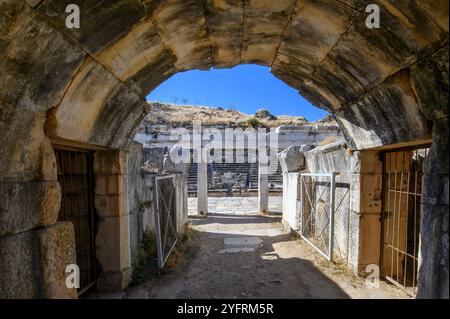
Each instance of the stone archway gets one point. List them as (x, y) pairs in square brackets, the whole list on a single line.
[(88, 85)]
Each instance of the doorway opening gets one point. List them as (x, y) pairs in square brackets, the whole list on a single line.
[(76, 178), (402, 193)]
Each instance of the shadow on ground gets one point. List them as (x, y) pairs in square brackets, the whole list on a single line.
[(265, 266)]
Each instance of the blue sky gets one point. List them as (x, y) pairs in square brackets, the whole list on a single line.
[(245, 88)]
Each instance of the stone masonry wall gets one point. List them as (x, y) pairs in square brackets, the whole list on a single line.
[(385, 86)]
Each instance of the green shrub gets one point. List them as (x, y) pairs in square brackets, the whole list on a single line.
[(147, 264), (253, 122)]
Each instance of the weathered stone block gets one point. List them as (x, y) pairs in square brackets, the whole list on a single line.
[(41, 59), (139, 58), (263, 27), (371, 55), (136, 236), (112, 242), (307, 147), (134, 158), (193, 51), (114, 281), (438, 10), (310, 38), (104, 22), (437, 161), (75, 116), (171, 167), (119, 119), (433, 262), (291, 159), (110, 205), (41, 70), (333, 84), (101, 120), (353, 241), (224, 13), (19, 266), (328, 158), (107, 163), (110, 185), (33, 3), (37, 64), (225, 26), (153, 74), (48, 161), (24, 206), (429, 78), (33, 263), (21, 145), (131, 53), (57, 251), (411, 25), (290, 70), (394, 107), (434, 224)]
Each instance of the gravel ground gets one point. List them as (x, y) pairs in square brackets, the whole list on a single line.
[(251, 256)]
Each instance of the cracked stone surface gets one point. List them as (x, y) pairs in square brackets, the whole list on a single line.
[(385, 86)]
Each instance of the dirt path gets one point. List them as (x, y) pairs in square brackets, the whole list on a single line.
[(250, 256)]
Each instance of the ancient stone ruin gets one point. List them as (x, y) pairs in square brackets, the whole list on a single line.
[(72, 101), (156, 133)]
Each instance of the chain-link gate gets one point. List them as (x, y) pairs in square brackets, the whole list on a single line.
[(165, 217), (341, 218), (317, 211)]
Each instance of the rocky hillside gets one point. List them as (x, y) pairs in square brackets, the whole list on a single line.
[(186, 114)]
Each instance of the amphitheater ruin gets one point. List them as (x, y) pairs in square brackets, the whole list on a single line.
[(83, 177)]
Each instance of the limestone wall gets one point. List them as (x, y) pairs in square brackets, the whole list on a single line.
[(141, 199), (139, 202), (166, 135), (386, 86)]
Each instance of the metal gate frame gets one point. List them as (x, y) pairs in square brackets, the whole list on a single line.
[(161, 243), (332, 176), (390, 238), (75, 182)]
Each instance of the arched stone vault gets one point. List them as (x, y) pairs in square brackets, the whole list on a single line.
[(385, 86)]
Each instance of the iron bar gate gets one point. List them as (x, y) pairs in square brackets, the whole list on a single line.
[(76, 178), (402, 192), (317, 193), (165, 217)]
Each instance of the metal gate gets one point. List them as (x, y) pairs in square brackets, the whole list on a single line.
[(75, 176), (402, 192), (165, 217), (317, 193)]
